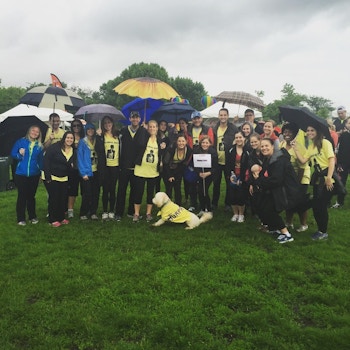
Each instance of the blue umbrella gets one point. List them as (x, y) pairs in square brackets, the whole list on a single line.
[(173, 111), (145, 106)]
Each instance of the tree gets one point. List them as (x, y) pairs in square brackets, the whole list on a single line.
[(9, 97), (321, 106)]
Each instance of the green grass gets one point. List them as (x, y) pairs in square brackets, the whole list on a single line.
[(94, 285)]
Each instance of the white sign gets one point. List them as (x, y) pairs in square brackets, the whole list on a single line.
[(202, 160)]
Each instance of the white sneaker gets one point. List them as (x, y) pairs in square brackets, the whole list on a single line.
[(240, 218), (234, 218), (94, 217), (104, 216), (302, 228), (70, 213), (111, 216)]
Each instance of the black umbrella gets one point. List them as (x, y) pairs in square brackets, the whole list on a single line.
[(13, 128), (53, 97), (173, 111), (303, 117)]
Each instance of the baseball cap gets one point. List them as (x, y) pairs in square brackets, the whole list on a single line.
[(196, 114), (341, 108), (134, 114), (89, 126)]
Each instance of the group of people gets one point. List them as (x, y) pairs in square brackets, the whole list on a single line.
[(267, 172)]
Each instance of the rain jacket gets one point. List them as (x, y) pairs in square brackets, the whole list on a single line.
[(32, 162)]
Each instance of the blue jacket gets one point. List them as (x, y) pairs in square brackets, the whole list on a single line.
[(84, 159), (32, 162)]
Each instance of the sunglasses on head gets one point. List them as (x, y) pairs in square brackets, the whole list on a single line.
[(76, 125)]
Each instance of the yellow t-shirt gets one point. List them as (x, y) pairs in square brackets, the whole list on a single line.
[(305, 180), (112, 150), (221, 146), (321, 157), (93, 156), (57, 135), (174, 213), (195, 135), (148, 167)]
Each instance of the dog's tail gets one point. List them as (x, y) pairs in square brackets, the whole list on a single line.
[(208, 215)]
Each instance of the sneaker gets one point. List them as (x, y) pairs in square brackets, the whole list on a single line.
[(240, 218), (302, 228), (84, 217), (55, 224), (111, 216), (136, 218), (70, 214), (191, 209), (117, 218), (34, 221), (22, 223), (234, 218), (149, 217), (288, 225), (280, 237), (286, 239), (336, 205), (65, 222), (130, 215), (105, 216), (94, 217), (319, 236)]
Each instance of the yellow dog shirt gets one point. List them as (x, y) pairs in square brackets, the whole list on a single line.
[(174, 213)]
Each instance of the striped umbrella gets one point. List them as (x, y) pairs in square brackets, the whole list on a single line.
[(241, 98), (53, 97)]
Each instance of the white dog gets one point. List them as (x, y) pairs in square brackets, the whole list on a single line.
[(169, 211)]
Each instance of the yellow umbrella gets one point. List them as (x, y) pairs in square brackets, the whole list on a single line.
[(146, 87)]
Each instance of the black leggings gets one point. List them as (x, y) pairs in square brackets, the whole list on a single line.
[(320, 206), (111, 175), (140, 188)]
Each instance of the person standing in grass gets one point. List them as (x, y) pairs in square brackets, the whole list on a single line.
[(279, 189), (108, 165), (224, 134), (236, 171), (146, 170), (175, 160), (87, 158), (74, 177), (206, 175), (58, 160), (28, 151), (321, 155), (289, 132)]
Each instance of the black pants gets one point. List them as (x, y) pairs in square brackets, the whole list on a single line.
[(203, 193), (320, 206), (26, 187), (90, 195), (140, 188), (57, 202), (126, 176), (176, 186), (109, 188), (343, 177), (268, 214)]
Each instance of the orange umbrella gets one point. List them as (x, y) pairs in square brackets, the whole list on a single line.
[(146, 87)]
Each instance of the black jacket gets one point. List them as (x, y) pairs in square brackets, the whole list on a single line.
[(229, 135), (278, 179), (175, 169), (214, 160), (343, 157), (231, 160)]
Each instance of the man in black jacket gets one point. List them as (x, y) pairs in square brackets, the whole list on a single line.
[(130, 137), (224, 134)]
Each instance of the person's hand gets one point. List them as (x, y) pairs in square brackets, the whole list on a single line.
[(171, 179), (85, 178), (251, 190), (329, 183), (99, 132), (22, 151), (52, 136), (162, 145)]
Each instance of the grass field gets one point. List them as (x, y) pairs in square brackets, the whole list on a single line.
[(94, 285)]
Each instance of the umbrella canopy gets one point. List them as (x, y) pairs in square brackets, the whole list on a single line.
[(241, 98), (43, 114), (173, 111), (145, 106), (95, 112), (15, 127), (145, 87), (53, 97), (303, 117), (234, 109)]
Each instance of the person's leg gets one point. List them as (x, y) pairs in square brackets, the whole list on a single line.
[(131, 193), (217, 185), (177, 190), (33, 182), (86, 187), (95, 193), (151, 185), (320, 207), (139, 187), (21, 197), (114, 174), (121, 193), (343, 178)]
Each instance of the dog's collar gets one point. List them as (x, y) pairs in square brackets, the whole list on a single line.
[(164, 204)]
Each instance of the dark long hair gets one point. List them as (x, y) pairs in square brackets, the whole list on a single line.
[(61, 142), (115, 131)]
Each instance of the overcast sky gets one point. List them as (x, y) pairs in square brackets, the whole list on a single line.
[(243, 45)]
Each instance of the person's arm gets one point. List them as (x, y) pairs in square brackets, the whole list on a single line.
[(302, 159), (328, 179)]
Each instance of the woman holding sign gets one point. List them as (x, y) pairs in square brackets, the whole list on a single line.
[(205, 160)]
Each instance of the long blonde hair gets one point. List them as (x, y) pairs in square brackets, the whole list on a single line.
[(39, 137)]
